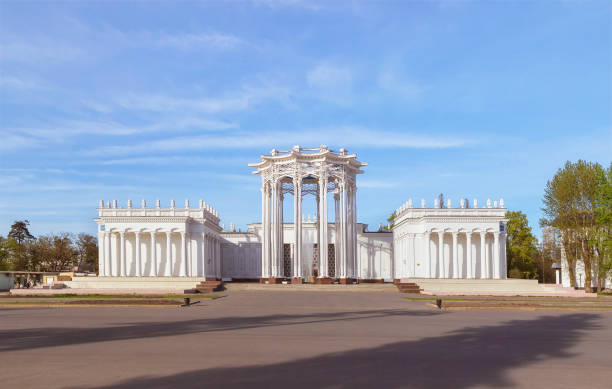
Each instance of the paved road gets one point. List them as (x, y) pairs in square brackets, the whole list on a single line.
[(310, 339)]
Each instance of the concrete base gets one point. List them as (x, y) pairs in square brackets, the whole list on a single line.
[(491, 287), (323, 281), (134, 283), (346, 281), (297, 280)]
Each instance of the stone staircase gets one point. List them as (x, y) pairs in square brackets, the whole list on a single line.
[(408, 287), (209, 286)]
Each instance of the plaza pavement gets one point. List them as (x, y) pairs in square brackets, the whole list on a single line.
[(253, 339)]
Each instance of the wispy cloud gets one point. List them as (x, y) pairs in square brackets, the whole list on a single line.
[(18, 83), (191, 41), (15, 49), (58, 133), (174, 159), (340, 136), (331, 82), (243, 98)]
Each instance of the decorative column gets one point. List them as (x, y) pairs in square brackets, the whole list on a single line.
[(343, 241), (183, 265), (138, 262), (441, 259), (274, 231), (468, 255), (427, 254), (154, 263), (353, 230), (297, 229), (218, 255), (169, 261), (281, 230), (107, 254), (203, 258), (340, 272), (456, 272), (496, 267), (483, 255), (265, 220), (323, 270), (122, 253), (101, 259)]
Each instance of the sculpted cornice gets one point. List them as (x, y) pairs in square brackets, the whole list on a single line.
[(149, 219)]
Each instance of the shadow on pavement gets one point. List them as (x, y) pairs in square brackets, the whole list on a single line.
[(464, 358), (23, 339)]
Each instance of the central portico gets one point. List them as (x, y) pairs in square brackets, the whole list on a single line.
[(300, 172)]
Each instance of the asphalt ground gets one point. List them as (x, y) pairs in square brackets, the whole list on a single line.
[(311, 339)]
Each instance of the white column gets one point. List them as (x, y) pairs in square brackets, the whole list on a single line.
[(101, 258), (218, 254), (496, 267), (107, 254), (483, 255), (339, 263), (413, 254), (297, 225), (154, 263), (138, 261), (342, 207), (502, 261), (274, 230), (323, 227), (122, 253), (441, 259), (281, 233), (203, 258), (183, 264), (456, 272), (468, 255), (353, 226), (427, 254), (265, 217), (169, 261), (192, 253)]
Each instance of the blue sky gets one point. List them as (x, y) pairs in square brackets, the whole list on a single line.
[(132, 100)]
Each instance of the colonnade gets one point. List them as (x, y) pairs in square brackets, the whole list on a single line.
[(197, 254), (273, 227), (485, 260)]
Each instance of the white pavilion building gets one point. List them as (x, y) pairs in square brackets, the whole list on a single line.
[(188, 243)]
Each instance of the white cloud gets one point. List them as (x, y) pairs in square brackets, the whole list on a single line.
[(174, 159), (62, 131), (331, 82), (339, 136), (244, 98), (399, 85), (18, 83), (327, 75), (198, 40), (14, 49)]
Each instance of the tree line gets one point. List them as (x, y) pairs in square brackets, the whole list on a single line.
[(578, 206), (20, 250)]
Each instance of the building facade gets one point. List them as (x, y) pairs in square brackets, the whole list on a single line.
[(436, 242)]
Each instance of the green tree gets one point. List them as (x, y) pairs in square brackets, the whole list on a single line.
[(602, 236), (521, 249), (569, 206), (7, 247), (21, 236), (87, 252)]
